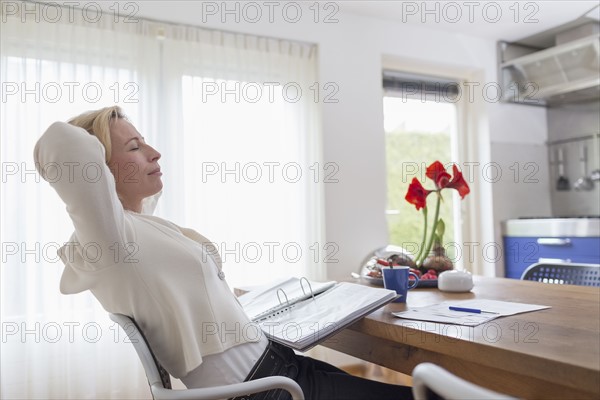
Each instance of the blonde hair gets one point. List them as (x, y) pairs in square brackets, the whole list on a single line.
[(98, 123)]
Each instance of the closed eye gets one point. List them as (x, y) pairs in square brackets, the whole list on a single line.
[(136, 141)]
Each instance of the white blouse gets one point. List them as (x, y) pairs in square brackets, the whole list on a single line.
[(166, 277)]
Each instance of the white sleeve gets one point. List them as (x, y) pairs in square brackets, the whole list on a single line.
[(73, 162)]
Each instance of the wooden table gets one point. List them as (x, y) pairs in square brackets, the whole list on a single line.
[(546, 354)]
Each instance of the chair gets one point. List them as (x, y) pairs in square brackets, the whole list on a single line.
[(564, 274), (160, 380), (431, 382)]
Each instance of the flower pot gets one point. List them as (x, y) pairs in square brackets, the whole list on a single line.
[(437, 260)]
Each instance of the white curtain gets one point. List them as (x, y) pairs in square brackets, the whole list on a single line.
[(244, 153), (56, 346)]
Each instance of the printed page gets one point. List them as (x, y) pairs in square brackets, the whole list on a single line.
[(270, 298), (488, 310), (306, 323)]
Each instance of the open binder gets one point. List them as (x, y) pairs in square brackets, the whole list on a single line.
[(300, 313)]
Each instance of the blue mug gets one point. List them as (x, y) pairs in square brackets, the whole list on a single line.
[(397, 279)]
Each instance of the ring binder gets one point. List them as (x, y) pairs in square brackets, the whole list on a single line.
[(303, 279), (270, 300), (301, 323), (287, 301)]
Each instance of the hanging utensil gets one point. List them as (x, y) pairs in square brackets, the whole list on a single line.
[(552, 163), (562, 183), (584, 183), (595, 174)]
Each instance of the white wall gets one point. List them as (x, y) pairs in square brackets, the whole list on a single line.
[(350, 55)]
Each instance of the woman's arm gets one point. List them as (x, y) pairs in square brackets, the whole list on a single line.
[(73, 162)]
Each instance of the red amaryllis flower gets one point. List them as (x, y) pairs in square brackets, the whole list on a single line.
[(417, 194), (437, 173), (459, 183)]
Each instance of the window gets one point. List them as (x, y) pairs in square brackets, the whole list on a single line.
[(420, 123)]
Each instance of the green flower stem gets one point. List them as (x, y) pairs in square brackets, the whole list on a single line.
[(418, 256), (435, 222)]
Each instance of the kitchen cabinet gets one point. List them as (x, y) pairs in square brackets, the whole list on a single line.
[(551, 240), (531, 72), (552, 74)]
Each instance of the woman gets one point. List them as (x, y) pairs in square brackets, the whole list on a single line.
[(166, 277)]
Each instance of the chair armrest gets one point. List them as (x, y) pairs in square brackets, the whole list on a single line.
[(227, 391)]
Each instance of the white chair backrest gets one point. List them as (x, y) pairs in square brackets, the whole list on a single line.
[(141, 347), (427, 376), (160, 383)]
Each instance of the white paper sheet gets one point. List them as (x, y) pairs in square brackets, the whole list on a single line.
[(491, 309)]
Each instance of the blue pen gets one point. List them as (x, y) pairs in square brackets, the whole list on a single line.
[(470, 310)]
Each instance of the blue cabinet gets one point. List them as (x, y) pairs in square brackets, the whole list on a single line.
[(521, 252)]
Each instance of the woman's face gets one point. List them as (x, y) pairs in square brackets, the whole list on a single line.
[(134, 165)]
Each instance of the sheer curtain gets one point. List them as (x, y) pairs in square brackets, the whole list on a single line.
[(56, 346), (251, 155)]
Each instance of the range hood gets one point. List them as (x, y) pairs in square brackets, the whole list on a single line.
[(566, 72)]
